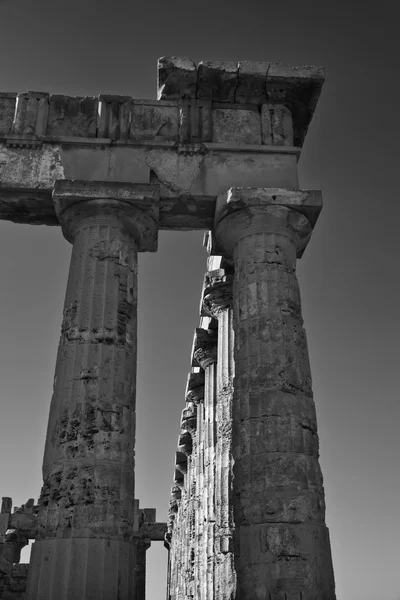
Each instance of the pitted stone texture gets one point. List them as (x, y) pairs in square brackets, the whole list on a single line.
[(72, 116), (284, 559), (7, 110), (176, 78), (89, 456), (236, 126), (87, 513), (217, 80), (277, 478), (156, 121), (252, 82)]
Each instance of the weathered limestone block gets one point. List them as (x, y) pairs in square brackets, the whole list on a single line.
[(31, 113), (298, 88), (252, 82), (114, 117), (280, 72), (195, 123), (236, 126), (72, 116), (177, 78), (281, 557), (277, 125), (154, 120), (217, 80), (7, 111), (284, 80)]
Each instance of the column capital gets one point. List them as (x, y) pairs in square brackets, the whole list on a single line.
[(195, 387), (204, 348), (243, 211), (217, 292), (132, 206)]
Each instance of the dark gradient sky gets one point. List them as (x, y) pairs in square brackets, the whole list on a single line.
[(349, 275)]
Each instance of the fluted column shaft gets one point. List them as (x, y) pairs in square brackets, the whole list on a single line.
[(84, 546), (205, 355), (217, 302), (282, 549)]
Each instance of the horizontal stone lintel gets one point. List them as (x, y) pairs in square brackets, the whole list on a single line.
[(183, 213), (122, 118), (18, 140), (156, 531)]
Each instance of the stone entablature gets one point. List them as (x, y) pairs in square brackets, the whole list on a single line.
[(195, 104), (215, 126)]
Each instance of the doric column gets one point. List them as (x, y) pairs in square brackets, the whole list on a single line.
[(282, 548), (217, 303), (205, 356), (85, 546)]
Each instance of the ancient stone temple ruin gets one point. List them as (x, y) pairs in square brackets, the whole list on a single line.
[(217, 151)]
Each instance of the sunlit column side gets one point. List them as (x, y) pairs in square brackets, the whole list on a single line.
[(217, 302), (205, 356), (282, 548), (84, 546)]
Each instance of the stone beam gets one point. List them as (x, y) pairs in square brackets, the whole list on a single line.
[(215, 126), (246, 83)]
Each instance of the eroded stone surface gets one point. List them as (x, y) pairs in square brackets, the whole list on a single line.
[(16, 529), (217, 80), (233, 126), (278, 502), (154, 121), (176, 78), (7, 110), (72, 116), (252, 82), (86, 504)]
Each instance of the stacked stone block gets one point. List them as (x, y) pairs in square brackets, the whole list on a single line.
[(250, 103), (16, 529)]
